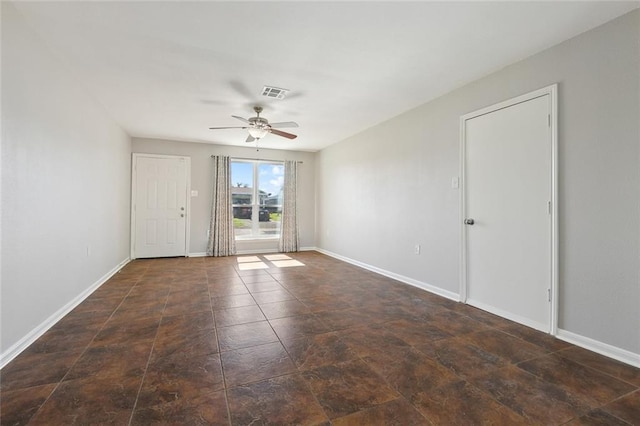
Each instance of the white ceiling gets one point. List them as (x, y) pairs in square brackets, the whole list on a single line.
[(171, 70)]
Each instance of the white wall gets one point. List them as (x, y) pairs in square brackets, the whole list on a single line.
[(202, 180), (388, 188), (65, 185)]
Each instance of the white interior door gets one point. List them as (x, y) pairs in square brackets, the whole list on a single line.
[(508, 211), (160, 206)]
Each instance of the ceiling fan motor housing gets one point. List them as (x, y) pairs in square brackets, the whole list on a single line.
[(258, 122), (258, 127)]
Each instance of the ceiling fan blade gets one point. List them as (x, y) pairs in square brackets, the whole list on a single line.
[(284, 124), (250, 139), (234, 127), (283, 134), (241, 119)]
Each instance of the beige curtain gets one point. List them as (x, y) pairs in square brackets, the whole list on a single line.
[(221, 237), (289, 226)]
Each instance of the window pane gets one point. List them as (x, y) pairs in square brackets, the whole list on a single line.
[(270, 179), (257, 210), (242, 197), (241, 183), (242, 223), (270, 221)]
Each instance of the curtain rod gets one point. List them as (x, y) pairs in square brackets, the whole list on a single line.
[(257, 159)]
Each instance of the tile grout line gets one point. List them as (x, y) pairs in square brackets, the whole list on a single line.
[(224, 376), (546, 349), (593, 368), (460, 378), (455, 373), (562, 386), (302, 284), (360, 358), (83, 351), (155, 338), (297, 369)]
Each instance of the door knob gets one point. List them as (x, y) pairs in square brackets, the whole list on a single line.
[(469, 221)]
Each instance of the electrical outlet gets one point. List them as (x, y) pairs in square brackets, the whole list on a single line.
[(416, 249)]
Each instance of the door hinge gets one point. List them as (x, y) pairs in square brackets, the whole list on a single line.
[(549, 120), (549, 294), (549, 207)]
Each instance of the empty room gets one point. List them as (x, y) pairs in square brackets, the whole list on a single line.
[(315, 213)]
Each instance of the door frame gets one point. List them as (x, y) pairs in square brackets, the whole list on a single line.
[(134, 185), (552, 92)]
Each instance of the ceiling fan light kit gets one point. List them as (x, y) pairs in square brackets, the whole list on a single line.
[(257, 132), (258, 127)]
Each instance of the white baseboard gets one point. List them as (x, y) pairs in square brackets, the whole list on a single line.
[(605, 349), (34, 334), (258, 251), (422, 285), (510, 316), (269, 251)]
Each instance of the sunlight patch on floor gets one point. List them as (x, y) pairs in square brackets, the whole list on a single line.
[(247, 266), (277, 257), (244, 259), (247, 263), (286, 263)]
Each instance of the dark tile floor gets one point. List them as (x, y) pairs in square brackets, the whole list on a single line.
[(199, 341)]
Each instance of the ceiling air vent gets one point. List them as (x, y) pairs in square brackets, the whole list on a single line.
[(274, 92)]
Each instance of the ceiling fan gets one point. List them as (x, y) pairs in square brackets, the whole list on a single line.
[(258, 126)]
